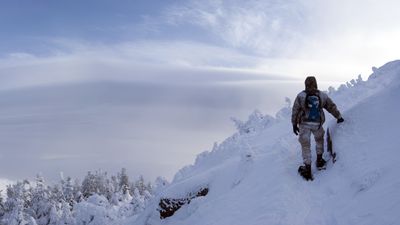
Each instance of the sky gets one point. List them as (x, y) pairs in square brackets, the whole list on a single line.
[(148, 85)]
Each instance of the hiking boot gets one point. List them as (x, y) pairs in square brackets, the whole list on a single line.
[(305, 172), (320, 163)]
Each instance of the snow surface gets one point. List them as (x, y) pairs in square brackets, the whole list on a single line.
[(252, 175)]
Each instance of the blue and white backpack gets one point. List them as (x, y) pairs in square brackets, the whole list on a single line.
[(314, 106)]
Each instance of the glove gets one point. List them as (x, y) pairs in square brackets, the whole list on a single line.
[(296, 129), (340, 120)]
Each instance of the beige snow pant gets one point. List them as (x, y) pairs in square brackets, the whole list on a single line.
[(304, 139)]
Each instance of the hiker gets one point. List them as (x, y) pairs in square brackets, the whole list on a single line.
[(308, 117)]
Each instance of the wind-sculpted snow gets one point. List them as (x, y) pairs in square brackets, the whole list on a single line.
[(357, 90), (252, 175)]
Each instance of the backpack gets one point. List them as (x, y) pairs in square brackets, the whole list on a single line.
[(313, 106)]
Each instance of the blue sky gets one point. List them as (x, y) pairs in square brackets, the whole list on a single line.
[(27, 23), (161, 78), (335, 39)]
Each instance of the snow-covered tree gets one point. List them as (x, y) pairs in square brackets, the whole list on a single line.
[(54, 216), (71, 202), (78, 196), (160, 183), (67, 187), (95, 183), (123, 181), (31, 221), (256, 121), (89, 185), (40, 201), (140, 185), (65, 214), (1, 204), (14, 207)]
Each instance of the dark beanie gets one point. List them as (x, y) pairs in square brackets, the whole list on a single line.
[(311, 83)]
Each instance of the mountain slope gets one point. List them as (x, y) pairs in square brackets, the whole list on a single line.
[(253, 179)]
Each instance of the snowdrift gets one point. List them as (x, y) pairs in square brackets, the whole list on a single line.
[(252, 176)]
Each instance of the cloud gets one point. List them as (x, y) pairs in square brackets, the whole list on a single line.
[(264, 27), (337, 39), (145, 61)]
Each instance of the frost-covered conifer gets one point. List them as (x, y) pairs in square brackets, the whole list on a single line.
[(67, 187), (140, 185), (15, 209), (69, 203), (138, 201), (66, 217), (123, 181), (160, 183), (54, 216), (17, 204), (89, 185), (41, 202), (78, 196), (95, 183), (31, 221)]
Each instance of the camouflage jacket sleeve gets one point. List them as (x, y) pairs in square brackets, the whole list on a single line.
[(296, 109), (330, 106)]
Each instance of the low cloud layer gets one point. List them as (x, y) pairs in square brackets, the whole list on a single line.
[(149, 128)]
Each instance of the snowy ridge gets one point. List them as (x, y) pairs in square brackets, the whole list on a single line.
[(253, 179)]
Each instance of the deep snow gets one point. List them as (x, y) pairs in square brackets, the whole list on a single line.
[(253, 177)]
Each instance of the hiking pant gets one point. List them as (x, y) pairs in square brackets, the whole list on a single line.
[(304, 139)]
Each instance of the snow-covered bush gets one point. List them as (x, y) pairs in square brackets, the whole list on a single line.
[(97, 200), (95, 210), (256, 121)]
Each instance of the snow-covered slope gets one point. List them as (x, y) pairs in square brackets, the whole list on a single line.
[(252, 176)]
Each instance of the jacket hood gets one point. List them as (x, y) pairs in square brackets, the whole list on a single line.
[(311, 83)]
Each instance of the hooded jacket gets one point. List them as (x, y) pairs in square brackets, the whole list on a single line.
[(300, 109)]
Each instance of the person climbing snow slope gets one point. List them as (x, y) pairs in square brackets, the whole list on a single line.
[(308, 117)]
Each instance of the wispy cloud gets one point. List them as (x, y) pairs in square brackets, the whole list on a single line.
[(264, 27), (151, 61), (335, 39)]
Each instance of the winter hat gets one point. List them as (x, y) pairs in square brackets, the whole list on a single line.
[(311, 83)]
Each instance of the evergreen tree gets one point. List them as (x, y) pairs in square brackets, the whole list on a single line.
[(41, 202), (160, 184), (77, 190), (66, 217), (1, 204), (53, 216), (31, 221), (67, 187), (95, 184), (123, 181), (89, 185), (15, 205), (63, 203), (140, 185)]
